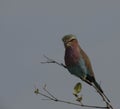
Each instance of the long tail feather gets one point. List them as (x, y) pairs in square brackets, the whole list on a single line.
[(98, 86), (100, 89)]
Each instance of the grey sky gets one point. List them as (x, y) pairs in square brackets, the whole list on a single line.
[(31, 28)]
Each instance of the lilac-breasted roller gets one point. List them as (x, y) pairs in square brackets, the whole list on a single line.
[(77, 62)]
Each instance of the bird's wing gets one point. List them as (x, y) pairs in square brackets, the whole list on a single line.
[(87, 62)]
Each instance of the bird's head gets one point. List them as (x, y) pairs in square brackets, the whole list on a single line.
[(69, 40)]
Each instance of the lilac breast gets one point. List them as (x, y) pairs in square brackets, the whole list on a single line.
[(72, 56)]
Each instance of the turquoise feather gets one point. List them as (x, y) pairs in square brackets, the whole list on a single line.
[(79, 69)]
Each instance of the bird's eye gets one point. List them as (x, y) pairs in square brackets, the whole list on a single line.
[(71, 40)]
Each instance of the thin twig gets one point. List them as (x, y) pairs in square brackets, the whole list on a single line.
[(53, 98), (53, 61), (44, 88)]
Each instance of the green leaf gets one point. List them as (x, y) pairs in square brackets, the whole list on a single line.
[(77, 88)]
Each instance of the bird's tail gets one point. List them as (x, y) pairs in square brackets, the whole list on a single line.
[(98, 86), (100, 90)]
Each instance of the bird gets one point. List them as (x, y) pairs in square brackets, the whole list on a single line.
[(78, 63)]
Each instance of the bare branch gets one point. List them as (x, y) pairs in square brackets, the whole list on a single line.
[(53, 98), (53, 61), (45, 89)]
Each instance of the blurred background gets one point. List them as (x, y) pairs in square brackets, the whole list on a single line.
[(31, 28)]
